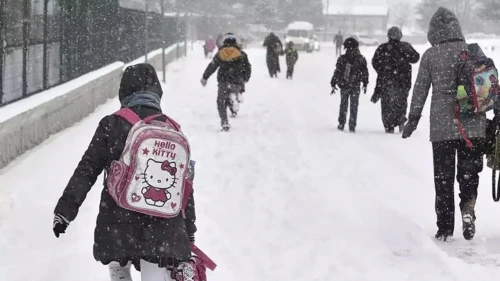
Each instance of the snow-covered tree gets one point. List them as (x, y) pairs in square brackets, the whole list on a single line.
[(302, 10), (465, 10), (402, 13), (489, 9)]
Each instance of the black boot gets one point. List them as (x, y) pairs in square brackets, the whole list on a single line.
[(444, 235), (340, 127), (469, 220)]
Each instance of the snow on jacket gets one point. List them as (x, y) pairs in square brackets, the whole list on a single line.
[(392, 62), (359, 70), (291, 55), (122, 235), (438, 68), (233, 64), (273, 44)]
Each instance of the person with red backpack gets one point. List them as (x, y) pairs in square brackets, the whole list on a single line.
[(455, 139), (147, 212)]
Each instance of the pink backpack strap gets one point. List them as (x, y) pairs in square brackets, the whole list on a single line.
[(461, 127), (129, 115), (209, 263), (175, 124)]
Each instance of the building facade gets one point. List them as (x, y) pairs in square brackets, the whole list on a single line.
[(356, 19)]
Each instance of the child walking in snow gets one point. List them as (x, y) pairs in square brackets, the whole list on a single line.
[(234, 70), (291, 56), (154, 245), (350, 72)]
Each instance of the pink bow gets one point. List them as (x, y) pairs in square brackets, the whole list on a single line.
[(165, 166)]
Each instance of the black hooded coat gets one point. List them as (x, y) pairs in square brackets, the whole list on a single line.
[(274, 47), (122, 235)]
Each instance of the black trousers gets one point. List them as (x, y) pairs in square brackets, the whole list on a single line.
[(394, 107), (349, 95), (469, 165), (224, 99), (289, 69)]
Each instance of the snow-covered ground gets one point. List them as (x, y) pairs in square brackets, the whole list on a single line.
[(283, 196)]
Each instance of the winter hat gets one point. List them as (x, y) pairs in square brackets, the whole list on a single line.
[(138, 78), (230, 39), (444, 26), (351, 43), (395, 33)]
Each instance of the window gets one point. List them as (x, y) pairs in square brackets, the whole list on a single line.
[(298, 33), (14, 22)]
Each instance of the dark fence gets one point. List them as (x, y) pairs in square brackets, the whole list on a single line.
[(48, 42)]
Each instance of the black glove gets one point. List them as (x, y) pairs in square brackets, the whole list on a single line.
[(60, 224), (410, 126), (191, 238), (334, 89), (364, 88)]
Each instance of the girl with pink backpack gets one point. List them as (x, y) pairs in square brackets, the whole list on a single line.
[(161, 248)]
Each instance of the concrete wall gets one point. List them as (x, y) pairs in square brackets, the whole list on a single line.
[(76, 100)]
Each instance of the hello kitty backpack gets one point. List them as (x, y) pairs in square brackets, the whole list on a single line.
[(151, 176)]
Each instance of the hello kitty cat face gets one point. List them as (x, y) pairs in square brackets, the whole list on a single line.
[(160, 174)]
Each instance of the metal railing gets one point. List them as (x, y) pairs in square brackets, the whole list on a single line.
[(48, 42)]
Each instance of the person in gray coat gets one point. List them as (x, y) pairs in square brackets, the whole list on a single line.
[(438, 67)]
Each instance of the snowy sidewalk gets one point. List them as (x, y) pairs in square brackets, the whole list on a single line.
[(284, 195)]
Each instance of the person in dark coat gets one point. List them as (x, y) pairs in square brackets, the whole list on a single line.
[(338, 40), (234, 71), (350, 73), (392, 62), (438, 68), (291, 56), (274, 48), (122, 236)]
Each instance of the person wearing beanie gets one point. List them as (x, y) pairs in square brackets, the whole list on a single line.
[(451, 155), (234, 71), (392, 62), (351, 72), (119, 237)]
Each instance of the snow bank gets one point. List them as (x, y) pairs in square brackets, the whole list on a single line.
[(28, 122)]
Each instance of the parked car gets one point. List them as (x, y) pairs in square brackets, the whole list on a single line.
[(365, 40)]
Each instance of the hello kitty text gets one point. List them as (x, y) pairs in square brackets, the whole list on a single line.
[(162, 149)]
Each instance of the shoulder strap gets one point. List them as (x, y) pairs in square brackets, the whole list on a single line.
[(129, 115), (152, 117), (176, 125)]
